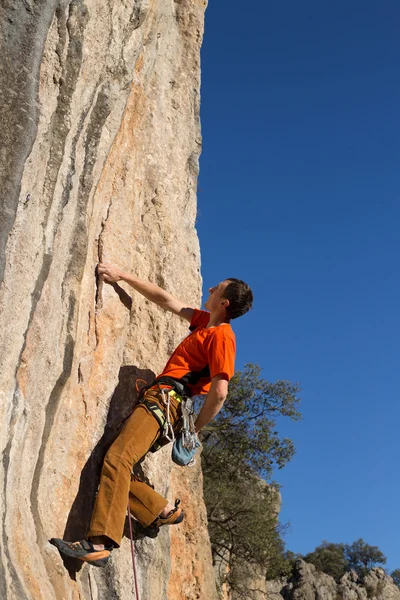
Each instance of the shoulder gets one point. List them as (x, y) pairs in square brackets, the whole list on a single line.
[(199, 318), (222, 333)]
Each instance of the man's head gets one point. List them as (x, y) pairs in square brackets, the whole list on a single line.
[(232, 294)]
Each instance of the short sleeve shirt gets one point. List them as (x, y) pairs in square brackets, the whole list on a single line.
[(214, 347)]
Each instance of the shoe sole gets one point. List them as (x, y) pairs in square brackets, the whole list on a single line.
[(89, 557), (178, 519), (100, 562)]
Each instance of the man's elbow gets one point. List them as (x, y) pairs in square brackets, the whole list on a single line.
[(220, 399), (222, 394), (221, 391)]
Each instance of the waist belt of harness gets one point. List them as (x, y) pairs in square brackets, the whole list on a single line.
[(178, 387)]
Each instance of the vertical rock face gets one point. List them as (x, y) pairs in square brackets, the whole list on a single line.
[(100, 141)]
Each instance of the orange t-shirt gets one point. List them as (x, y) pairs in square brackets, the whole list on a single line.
[(215, 347)]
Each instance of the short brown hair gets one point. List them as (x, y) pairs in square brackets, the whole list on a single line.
[(240, 297)]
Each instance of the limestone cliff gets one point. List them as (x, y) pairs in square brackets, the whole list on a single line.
[(310, 584), (100, 141)]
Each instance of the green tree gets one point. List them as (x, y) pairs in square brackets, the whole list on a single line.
[(329, 558), (243, 436), (336, 559), (243, 526), (241, 448), (362, 557), (289, 563), (396, 577)]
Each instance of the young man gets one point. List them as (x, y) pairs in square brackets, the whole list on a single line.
[(202, 364)]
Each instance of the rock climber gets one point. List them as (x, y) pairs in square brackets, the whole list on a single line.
[(202, 364)]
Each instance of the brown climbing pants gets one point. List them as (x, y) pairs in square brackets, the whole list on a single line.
[(137, 436)]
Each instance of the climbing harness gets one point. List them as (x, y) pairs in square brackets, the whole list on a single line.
[(180, 391), (133, 554), (163, 417)]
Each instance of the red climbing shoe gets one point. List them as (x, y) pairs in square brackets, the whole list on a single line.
[(175, 516), (83, 550)]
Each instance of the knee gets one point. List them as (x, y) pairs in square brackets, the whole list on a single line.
[(115, 460)]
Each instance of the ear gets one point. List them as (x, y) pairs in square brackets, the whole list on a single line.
[(225, 303)]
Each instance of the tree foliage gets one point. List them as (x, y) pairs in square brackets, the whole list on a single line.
[(243, 436), (362, 557), (396, 577), (336, 559), (329, 558), (241, 448), (243, 526)]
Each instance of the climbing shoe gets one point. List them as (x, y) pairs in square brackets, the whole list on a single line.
[(175, 516), (83, 550)]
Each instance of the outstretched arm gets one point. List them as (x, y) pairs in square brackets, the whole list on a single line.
[(213, 402), (152, 292)]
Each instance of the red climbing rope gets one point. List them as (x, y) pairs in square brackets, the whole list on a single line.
[(133, 553)]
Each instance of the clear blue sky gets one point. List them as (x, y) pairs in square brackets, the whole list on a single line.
[(299, 194)]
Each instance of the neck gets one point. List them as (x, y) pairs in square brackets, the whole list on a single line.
[(217, 319)]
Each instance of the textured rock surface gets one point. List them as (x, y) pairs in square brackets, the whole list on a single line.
[(310, 584), (99, 151)]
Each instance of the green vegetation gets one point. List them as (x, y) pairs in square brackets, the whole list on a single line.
[(396, 577), (241, 448), (329, 558), (362, 557), (336, 559)]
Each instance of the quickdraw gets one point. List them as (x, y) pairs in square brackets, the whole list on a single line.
[(168, 431), (188, 432), (189, 435)]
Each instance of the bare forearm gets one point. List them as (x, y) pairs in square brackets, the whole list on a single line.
[(211, 407), (149, 290), (111, 274)]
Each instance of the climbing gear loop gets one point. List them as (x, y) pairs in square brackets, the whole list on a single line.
[(189, 435), (168, 431)]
